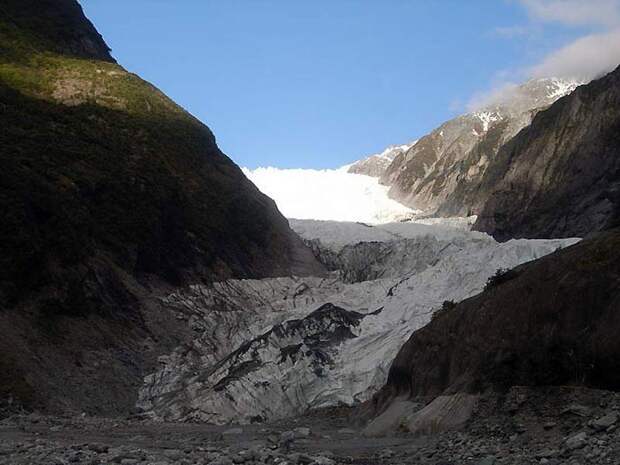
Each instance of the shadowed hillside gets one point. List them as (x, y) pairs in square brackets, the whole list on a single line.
[(110, 193)]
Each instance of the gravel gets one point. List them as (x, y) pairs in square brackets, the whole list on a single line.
[(536, 430)]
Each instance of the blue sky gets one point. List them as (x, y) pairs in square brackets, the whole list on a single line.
[(319, 84)]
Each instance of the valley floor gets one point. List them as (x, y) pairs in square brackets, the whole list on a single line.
[(559, 425)]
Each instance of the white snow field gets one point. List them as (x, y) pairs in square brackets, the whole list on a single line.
[(328, 195), (271, 348)]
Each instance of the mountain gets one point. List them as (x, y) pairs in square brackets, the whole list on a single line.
[(110, 194), (560, 176), (376, 165), (441, 171), (566, 302)]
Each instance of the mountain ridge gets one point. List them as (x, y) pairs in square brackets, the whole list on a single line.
[(562, 171), (437, 174), (111, 195), (558, 177), (375, 165)]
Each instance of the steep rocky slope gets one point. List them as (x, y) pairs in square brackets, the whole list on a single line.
[(560, 176), (553, 321), (109, 193), (440, 173)]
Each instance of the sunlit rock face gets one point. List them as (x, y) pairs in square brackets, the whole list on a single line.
[(271, 348), (441, 172)]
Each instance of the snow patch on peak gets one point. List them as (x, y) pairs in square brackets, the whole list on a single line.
[(390, 152), (376, 165), (514, 98), (487, 118), (562, 87)]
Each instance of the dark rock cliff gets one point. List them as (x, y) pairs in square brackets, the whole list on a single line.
[(110, 194), (553, 321), (560, 176)]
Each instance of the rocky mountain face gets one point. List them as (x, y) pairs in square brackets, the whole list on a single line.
[(110, 194), (567, 303), (440, 173), (560, 176), (376, 165)]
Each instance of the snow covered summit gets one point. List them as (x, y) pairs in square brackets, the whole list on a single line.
[(375, 165)]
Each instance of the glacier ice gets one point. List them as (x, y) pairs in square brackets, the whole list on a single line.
[(328, 195), (270, 348)]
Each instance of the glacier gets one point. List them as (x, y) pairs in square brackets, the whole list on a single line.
[(332, 194), (271, 348)]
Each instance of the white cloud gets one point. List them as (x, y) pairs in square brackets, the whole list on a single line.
[(575, 12), (586, 58), (499, 92)]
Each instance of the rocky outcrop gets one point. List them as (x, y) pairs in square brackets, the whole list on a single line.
[(440, 173), (560, 176), (553, 321), (376, 165), (442, 414), (110, 194)]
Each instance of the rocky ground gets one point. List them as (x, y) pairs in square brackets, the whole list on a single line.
[(549, 426)]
